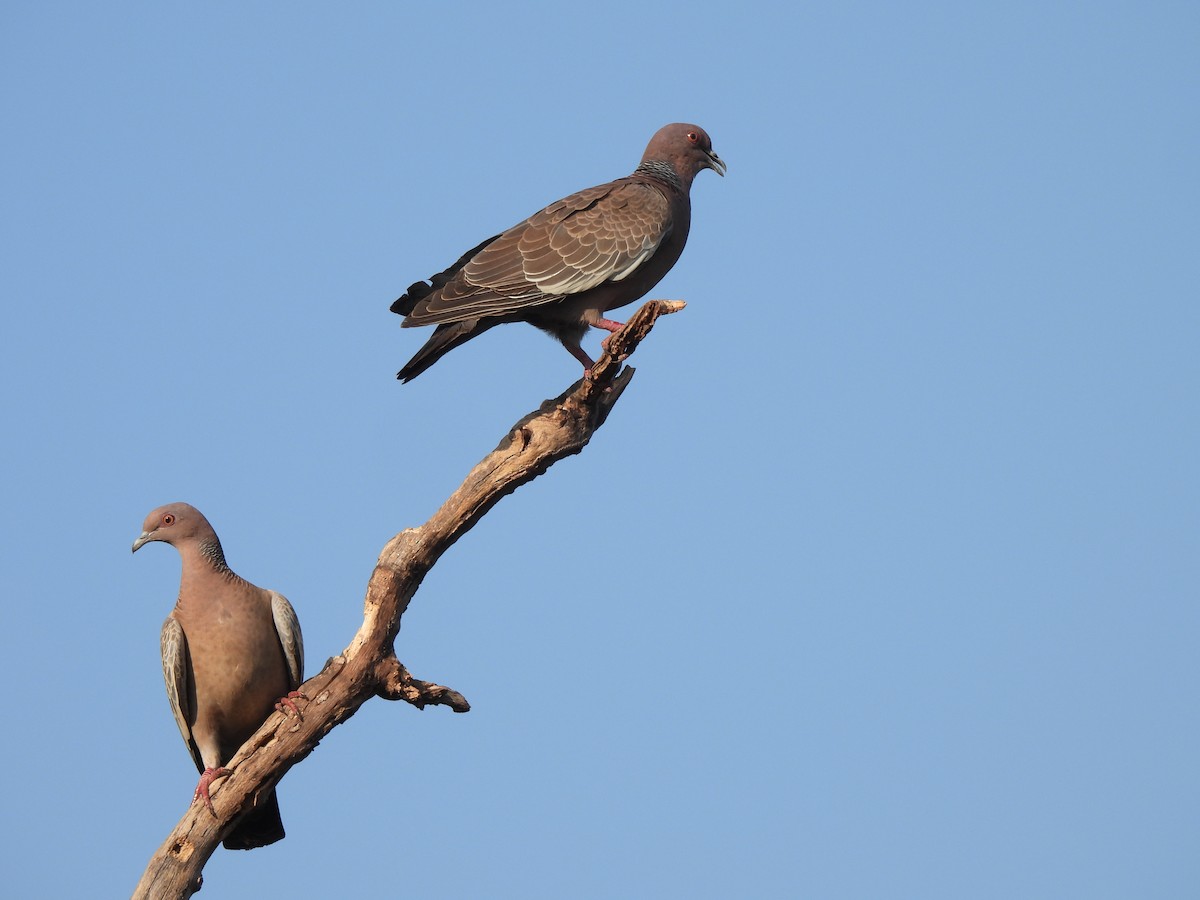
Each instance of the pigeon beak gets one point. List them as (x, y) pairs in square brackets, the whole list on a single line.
[(142, 538), (716, 163)]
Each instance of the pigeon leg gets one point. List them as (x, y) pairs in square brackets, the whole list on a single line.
[(283, 704), (576, 351), (209, 775)]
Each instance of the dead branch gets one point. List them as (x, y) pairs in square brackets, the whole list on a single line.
[(368, 667)]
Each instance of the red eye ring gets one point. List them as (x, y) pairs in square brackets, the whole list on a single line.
[(693, 137), (168, 519)]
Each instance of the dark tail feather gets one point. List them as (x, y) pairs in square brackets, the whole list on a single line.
[(259, 827), (444, 339)]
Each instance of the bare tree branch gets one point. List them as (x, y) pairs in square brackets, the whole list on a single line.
[(368, 667)]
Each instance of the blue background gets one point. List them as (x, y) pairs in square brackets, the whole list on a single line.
[(881, 580)]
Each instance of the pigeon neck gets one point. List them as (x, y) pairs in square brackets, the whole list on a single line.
[(662, 171), (211, 550), (204, 570)]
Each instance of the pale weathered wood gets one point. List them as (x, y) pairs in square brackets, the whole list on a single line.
[(368, 667)]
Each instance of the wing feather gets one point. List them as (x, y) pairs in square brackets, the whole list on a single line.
[(595, 236), (177, 673), (287, 626)]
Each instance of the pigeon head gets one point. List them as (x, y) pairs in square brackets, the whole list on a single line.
[(174, 523), (685, 148)]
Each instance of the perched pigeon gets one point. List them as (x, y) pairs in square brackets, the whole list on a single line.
[(230, 651), (564, 267)]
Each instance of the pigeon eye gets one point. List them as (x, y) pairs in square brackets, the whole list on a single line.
[(168, 519), (693, 137)]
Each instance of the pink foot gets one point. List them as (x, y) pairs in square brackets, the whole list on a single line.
[(206, 778), (283, 704)]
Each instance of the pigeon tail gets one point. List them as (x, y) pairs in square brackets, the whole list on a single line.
[(444, 339), (259, 827)]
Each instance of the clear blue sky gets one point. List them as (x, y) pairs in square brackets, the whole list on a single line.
[(881, 581)]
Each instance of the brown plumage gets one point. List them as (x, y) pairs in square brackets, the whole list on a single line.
[(231, 651), (565, 266)]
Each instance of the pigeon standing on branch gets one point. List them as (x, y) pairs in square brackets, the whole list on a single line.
[(231, 653), (564, 267)]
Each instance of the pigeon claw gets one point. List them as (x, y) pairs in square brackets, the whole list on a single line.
[(209, 775), (288, 702)]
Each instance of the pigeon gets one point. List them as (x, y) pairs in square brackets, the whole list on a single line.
[(564, 267), (231, 653)]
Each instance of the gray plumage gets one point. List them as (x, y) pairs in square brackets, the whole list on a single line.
[(565, 266), (230, 652)]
